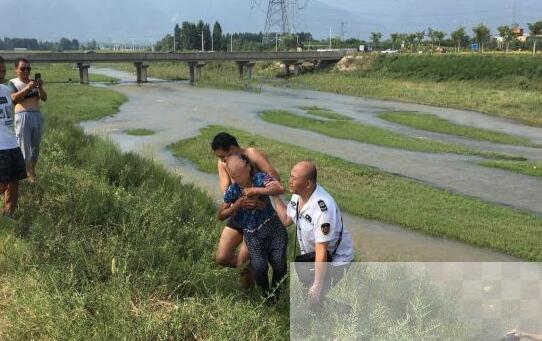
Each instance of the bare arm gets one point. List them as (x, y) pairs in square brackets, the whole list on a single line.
[(280, 208), (272, 188), (260, 161), (41, 91), (223, 176), (320, 269), (227, 210), (18, 96), (320, 259)]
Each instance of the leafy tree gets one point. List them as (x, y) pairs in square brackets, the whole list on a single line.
[(536, 32), (64, 44), (177, 38), (459, 36), (481, 34), (437, 36), (200, 31), (419, 38), (394, 40), (207, 37), (91, 45), (505, 32), (218, 44), (410, 40), (375, 38)]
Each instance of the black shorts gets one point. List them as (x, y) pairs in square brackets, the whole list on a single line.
[(12, 165), (234, 224)]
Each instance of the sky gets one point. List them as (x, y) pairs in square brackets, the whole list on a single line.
[(149, 20)]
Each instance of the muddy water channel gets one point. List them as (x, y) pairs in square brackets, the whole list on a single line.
[(176, 110)]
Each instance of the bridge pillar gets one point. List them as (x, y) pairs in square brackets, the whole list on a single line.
[(241, 66), (297, 66), (245, 65), (286, 70), (250, 67), (195, 71), (141, 72), (83, 73)]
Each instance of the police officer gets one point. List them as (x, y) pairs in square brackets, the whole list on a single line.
[(319, 226)]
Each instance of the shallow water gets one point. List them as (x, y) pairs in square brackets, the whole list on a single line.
[(176, 110)]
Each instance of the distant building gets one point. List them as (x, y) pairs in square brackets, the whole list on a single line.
[(519, 34), (19, 49)]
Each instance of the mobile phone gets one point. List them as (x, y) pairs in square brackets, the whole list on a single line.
[(37, 76)]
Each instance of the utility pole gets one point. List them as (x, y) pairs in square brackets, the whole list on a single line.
[(342, 30), (276, 42), (202, 46), (330, 37), (212, 43), (231, 43)]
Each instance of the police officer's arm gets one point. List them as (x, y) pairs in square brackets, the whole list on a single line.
[(324, 231), (280, 208), (320, 269), (223, 176)]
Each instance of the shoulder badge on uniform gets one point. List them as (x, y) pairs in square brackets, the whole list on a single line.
[(325, 227), (293, 203), (322, 205)]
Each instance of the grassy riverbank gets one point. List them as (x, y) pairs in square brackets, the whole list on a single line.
[(58, 73), (436, 124), (522, 167), (220, 75), (365, 133), (140, 132), (367, 192), (110, 246), (502, 85)]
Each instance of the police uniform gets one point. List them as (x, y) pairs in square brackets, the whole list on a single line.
[(320, 221)]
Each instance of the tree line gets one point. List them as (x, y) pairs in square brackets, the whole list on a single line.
[(198, 36), (458, 39), (35, 44)]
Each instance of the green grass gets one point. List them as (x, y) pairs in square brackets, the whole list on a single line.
[(140, 132), (370, 134), (220, 75), (110, 246), (326, 113), (506, 86), (434, 123), (161, 70), (522, 167), (369, 193)]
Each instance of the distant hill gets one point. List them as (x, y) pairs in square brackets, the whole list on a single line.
[(123, 20), (107, 20)]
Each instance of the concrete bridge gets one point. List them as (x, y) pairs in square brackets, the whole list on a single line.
[(196, 61)]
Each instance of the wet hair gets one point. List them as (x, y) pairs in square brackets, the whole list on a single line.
[(19, 60), (223, 141), (246, 160)]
